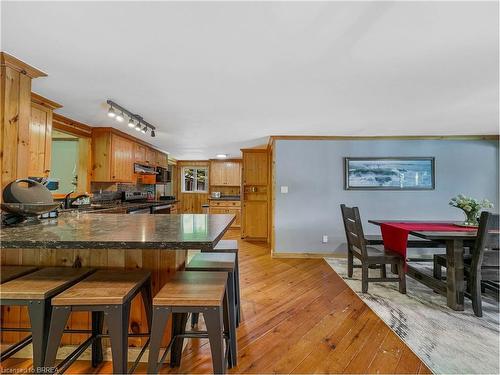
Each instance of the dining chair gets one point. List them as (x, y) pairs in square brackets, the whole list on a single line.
[(370, 256), (482, 266)]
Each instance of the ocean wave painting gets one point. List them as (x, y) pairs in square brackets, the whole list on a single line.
[(389, 173)]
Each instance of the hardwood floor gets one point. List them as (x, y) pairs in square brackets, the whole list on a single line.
[(298, 317)]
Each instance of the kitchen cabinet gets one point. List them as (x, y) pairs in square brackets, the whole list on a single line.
[(227, 207), (225, 173), (139, 153), (161, 159), (150, 156), (255, 194), (113, 157), (121, 159), (173, 208), (40, 141)]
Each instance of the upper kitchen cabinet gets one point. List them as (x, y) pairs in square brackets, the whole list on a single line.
[(255, 167), (225, 173), (15, 97), (161, 159), (40, 136), (113, 156), (139, 153), (150, 156)]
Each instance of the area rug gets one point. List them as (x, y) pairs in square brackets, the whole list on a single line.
[(447, 341)]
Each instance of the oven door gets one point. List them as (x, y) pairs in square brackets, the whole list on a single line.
[(163, 209), (135, 211)]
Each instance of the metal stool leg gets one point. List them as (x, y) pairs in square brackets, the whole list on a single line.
[(237, 291), (117, 319), (97, 324), (147, 300), (179, 321), (229, 306), (60, 315), (39, 313), (160, 317), (195, 317), (213, 319)]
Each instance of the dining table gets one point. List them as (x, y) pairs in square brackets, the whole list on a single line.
[(455, 243)]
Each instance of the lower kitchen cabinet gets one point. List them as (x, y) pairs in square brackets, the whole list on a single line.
[(227, 207), (255, 223)]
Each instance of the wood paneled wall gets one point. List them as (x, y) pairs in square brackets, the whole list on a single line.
[(190, 202)]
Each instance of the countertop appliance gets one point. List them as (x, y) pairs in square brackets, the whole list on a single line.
[(216, 194), (163, 175)]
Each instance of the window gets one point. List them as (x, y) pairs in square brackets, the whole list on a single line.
[(194, 179)]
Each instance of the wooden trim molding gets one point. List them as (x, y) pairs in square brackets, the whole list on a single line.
[(68, 125), (41, 100), (20, 66), (471, 137)]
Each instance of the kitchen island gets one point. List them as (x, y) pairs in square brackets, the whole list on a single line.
[(158, 243)]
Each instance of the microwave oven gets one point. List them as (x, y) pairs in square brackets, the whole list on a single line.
[(163, 175)]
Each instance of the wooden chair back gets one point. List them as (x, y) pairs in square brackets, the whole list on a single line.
[(486, 251), (354, 230)]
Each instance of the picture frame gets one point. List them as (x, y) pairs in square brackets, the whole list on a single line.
[(389, 173)]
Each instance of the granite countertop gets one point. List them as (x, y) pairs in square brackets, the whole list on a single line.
[(121, 207), (79, 230)]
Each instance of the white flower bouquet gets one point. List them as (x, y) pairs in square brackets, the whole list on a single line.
[(471, 207)]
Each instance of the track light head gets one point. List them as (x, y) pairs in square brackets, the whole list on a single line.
[(131, 123), (144, 129), (119, 117), (138, 127), (153, 133), (111, 112)]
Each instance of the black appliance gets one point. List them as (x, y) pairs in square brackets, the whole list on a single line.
[(163, 175), (161, 209), (131, 196)]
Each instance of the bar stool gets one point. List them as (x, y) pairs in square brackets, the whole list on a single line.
[(8, 273), (107, 294), (35, 290), (189, 292), (231, 246)]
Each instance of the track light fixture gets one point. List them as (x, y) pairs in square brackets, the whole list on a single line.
[(135, 121)]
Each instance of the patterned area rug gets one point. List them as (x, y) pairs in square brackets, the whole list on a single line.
[(447, 341)]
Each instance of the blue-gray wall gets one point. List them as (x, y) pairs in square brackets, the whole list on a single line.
[(313, 172)]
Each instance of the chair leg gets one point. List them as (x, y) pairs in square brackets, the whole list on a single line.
[(179, 321), (97, 324), (117, 318), (402, 277), (160, 317), (394, 269), (40, 314), (475, 291), (58, 320), (350, 263), (383, 271), (213, 320), (147, 300), (195, 317), (364, 278), (436, 269)]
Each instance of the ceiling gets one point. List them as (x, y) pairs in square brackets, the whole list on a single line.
[(217, 76)]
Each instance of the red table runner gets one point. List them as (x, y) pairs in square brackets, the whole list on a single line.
[(395, 235)]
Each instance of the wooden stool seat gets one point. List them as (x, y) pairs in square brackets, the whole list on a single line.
[(213, 261), (193, 289), (8, 273), (226, 245), (103, 287), (42, 284)]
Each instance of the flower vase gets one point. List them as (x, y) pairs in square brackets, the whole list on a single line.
[(471, 218)]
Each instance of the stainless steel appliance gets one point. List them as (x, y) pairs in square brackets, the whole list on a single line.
[(144, 210), (163, 175), (131, 196), (216, 194)]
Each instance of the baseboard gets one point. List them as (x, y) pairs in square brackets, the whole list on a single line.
[(311, 255)]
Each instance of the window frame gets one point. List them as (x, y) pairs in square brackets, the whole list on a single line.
[(195, 180)]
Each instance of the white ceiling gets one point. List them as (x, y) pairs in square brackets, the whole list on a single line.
[(214, 77)]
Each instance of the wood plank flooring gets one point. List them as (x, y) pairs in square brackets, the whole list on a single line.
[(298, 317)]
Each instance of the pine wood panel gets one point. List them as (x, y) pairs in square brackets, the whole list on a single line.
[(255, 167), (40, 141), (225, 173), (122, 159), (299, 316)]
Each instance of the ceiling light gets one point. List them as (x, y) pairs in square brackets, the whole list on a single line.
[(111, 112), (138, 127), (144, 129), (153, 133), (221, 156), (119, 117), (131, 123)]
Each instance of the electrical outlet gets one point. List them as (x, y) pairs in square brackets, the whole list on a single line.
[(284, 190), (325, 238)]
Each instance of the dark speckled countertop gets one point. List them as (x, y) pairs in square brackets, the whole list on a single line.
[(79, 230)]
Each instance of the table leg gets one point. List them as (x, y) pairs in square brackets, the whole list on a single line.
[(455, 274)]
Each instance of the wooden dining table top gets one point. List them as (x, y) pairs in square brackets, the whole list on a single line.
[(434, 235)]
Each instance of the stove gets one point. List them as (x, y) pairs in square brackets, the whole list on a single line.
[(134, 196)]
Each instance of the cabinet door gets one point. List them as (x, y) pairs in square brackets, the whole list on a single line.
[(255, 219), (139, 152), (150, 156), (122, 159), (255, 168), (40, 141), (216, 173), (237, 221), (161, 159), (232, 172)]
